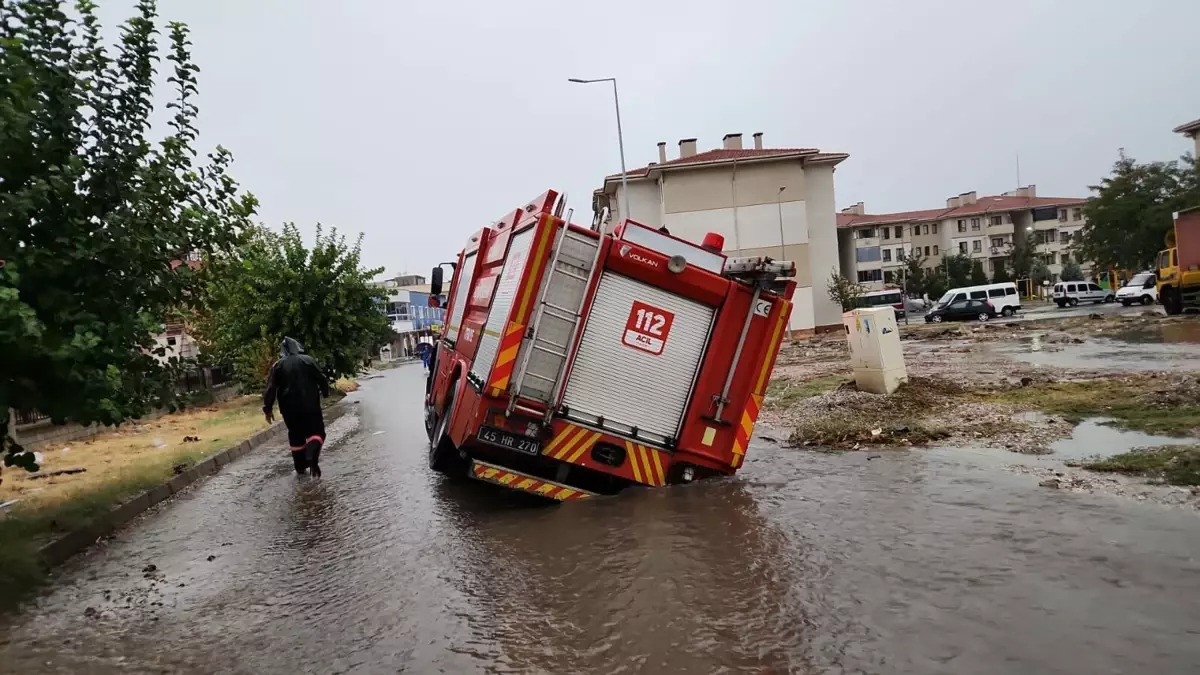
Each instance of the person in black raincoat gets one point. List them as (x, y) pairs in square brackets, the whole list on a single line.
[(298, 384)]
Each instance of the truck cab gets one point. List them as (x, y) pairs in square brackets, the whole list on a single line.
[(576, 364), (1178, 268)]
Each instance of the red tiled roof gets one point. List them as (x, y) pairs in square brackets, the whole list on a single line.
[(1189, 128), (982, 206), (722, 155)]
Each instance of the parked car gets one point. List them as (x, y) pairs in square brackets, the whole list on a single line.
[(1141, 288), (1003, 297), (1074, 292), (962, 310)]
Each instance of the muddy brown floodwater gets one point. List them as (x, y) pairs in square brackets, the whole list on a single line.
[(932, 561)]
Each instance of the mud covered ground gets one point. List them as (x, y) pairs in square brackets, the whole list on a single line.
[(1128, 381)]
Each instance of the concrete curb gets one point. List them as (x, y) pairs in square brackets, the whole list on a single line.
[(60, 550)]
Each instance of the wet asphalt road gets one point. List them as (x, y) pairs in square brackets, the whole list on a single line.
[(931, 561)]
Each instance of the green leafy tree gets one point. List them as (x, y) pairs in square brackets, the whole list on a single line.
[(1022, 257), (1128, 219), (1040, 272), (1000, 273), (273, 286), (843, 291), (96, 219), (956, 269), (1071, 272), (913, 275), (978, 276)]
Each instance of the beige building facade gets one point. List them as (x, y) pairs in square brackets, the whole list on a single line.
[(872, 247), (776, 202)]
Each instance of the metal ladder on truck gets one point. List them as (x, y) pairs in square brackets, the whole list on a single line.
[(556, 323)]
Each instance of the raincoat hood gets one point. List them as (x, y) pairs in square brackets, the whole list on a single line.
[(290, 347)]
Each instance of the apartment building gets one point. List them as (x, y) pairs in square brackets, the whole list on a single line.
[(872, 247), (776, 202), (1192, 131)]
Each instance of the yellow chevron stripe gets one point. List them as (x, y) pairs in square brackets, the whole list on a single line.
[(546, 487), (534, 278), (632, 458), (662, 476), (737, 459), (649, 470), (507, 478), (498, 390), (566, 447), (559, 438), (737, 448), (513, 327), (587, 445), (506, 357), (760, 388), (564, 493), (747, 424), (525, 483)]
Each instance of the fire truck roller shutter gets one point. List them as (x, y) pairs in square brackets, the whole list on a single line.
[(502, 302), (454, 321), (632, 384)]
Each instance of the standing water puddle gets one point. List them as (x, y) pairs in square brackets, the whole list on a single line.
[(1105, 353), (1094, 438)]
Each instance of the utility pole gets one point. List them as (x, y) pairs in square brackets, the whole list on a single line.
[(779, 207), (620, 139)]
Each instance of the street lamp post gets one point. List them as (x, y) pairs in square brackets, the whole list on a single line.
[(620, 137), (779, 207)]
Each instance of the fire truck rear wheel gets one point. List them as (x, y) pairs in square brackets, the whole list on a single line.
[(443, 455)]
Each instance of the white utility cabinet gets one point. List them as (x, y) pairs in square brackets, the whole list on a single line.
[(875, 352)]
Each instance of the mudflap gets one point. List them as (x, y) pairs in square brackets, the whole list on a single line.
[(515, 480)]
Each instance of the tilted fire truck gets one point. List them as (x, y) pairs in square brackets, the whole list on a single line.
[(575, 363)]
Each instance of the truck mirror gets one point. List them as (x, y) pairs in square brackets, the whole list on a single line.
[(435, 283)]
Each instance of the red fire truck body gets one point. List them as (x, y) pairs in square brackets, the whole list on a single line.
[(574, 364)]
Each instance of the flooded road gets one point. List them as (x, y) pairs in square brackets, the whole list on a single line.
[(898, 562)]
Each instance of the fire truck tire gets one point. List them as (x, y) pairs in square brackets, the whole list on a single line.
[(443, 454)]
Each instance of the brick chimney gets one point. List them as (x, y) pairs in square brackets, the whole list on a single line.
[(758, 141), (687, 148), (953, 203), (732, 141), (858, 209), (662, 152), (967, 198)]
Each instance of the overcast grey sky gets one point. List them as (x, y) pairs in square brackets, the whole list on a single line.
[(419, 122)]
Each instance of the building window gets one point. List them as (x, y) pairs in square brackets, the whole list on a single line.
[(1062, 215), (899, 231), (916, 251), (976, 246), (1064, 237), (935, 228), (935, 249), (962, 225), (899, 253), (926, 250), (1051, 235), (997, 220), (925, 229), (975, 223), (886, 232), (870, 275), (1079, 258), (171, 341), (887, 255), (1077, 214), (997, 242), (1065, 258), (962, 247)]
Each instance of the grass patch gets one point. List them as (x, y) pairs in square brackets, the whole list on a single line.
[(1172, 464), (785, 391), (1143, 403), (848, 429), (899, 418), (120, 465)]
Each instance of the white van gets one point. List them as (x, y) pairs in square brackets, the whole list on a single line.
[(1004, 297), (1141, 288), (1074, 292)]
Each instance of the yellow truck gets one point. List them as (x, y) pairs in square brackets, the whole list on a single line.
[(1179, 265)]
